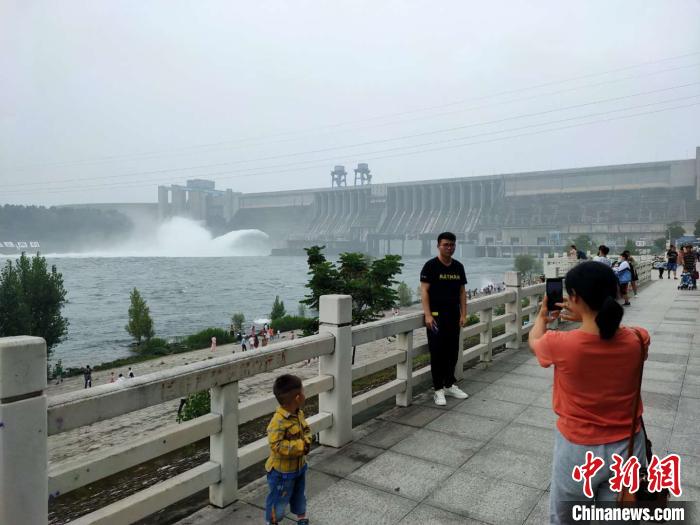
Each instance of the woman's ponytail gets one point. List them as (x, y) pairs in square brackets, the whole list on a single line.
[(609, 318)]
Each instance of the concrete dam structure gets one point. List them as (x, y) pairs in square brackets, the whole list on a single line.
[(497, 215)]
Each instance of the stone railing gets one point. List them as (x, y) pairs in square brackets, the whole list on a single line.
[(558, 266), (28, 417)]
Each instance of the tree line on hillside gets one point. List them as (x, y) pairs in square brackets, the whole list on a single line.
[(62, 227)]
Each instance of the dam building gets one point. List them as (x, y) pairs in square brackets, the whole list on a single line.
[(496, 215)]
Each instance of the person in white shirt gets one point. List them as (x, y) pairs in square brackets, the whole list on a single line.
[(624, 276), (602, 256), (121, 378)]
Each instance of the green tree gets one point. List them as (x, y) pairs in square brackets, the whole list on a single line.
[(277, 309), (196, 405), (696, 231), (660, 244), (675, 230), (405, 294), (301, 310), (31, 299), (631, 247), (585, 243), (370, 282), (237, 321), (527, 264), (140, 323)]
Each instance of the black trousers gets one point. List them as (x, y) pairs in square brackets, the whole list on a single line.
[(444, 348)]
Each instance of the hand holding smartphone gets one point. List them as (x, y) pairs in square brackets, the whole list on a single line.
[(555, 293)]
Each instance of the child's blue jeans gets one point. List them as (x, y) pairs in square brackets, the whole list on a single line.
[(285, 489)]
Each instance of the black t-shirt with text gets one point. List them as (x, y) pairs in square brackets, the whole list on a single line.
[(672, 256), (445, 283)]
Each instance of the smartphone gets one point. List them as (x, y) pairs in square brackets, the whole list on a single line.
[(555, 293)]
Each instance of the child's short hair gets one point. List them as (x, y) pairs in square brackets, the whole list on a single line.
[(286, 387)]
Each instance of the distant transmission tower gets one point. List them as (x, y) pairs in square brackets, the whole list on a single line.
[(338, 177), (362, 174)]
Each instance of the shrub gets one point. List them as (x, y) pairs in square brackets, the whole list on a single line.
[(278, 310), (197, 405), (203, 339), (405, 294), (154, 346), (289, 322)]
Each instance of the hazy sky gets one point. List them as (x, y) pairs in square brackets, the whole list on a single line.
[(101, 101)]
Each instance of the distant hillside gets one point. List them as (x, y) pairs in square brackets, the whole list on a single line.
[(63, 229)]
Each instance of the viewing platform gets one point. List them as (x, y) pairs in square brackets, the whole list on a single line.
[(486, 459)]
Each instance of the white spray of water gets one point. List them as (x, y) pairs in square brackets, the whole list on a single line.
[(181, 237)]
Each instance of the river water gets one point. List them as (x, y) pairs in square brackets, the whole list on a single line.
[(188, 294)]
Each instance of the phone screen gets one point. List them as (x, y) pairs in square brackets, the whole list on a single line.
[(555, 293)]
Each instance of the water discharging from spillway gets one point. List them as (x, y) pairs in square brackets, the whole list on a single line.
[(181, 237)]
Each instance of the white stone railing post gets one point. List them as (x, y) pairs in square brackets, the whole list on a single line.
[(459, 367), (513, 282), (335, 317), (404, 370), (485, 337), (24, 492), (223, 447)]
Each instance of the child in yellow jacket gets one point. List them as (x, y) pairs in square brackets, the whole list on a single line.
[(289, 438)]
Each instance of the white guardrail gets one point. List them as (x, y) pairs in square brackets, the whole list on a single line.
[(28, 417)]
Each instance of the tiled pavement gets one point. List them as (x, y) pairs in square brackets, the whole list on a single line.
[(487, 459)]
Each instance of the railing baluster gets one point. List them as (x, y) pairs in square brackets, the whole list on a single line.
[(405, 370), (515, 327), (486, 316), (335, 316), (24, 485), (223, 447)]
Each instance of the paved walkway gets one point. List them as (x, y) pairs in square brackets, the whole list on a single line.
[(487, 459)]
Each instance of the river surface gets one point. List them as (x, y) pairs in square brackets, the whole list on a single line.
[(186, 295)]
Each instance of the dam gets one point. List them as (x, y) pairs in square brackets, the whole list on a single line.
[(495, 215)]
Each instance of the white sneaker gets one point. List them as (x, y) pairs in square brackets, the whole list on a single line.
[(439, 397), (455, 391)]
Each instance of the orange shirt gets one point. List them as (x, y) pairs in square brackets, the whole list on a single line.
[(595, 382)]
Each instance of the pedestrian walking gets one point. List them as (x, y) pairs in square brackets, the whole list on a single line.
[(111, 377), (58, 371), (213, 344), (624, 276), (689, 261), (131, 373), (597, 375), (444, 301), (671, 262)]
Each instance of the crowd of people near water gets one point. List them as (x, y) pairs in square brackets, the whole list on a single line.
[(258, 338)]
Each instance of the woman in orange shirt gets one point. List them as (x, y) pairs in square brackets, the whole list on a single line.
[(596, 378)]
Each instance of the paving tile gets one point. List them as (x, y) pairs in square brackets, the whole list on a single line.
[(662, 401), (387, 435), (688, 408), (538, 417), (544, 400), (659, 417), (491, 500), (316, 483), (659, 437), (536, 371), (439, 447), (349, 458), (527, 438), (476, 428), (691, 390), (684, 444), (540, 514), (427, 515), (414, 415), (348, 503), (663, 374), (662, 387), (498, 461), (479, 405), (510, 393), (666, 358), (538, 384), (402, 475), (485, 375)]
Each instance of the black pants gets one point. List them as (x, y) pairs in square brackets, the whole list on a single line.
[(444, 348)]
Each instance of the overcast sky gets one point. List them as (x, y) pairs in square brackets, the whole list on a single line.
[(101, 101)]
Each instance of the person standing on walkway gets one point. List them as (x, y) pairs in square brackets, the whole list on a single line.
[(131, 373), (87, 376), (671, 262), (624, 276), (689, 261), (596, 381), (602, 256), (444, 301)]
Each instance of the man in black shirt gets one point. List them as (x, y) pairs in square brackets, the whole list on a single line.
[(672, 262), (445, 309)]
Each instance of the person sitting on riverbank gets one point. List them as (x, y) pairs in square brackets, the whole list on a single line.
[(289, 437)]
